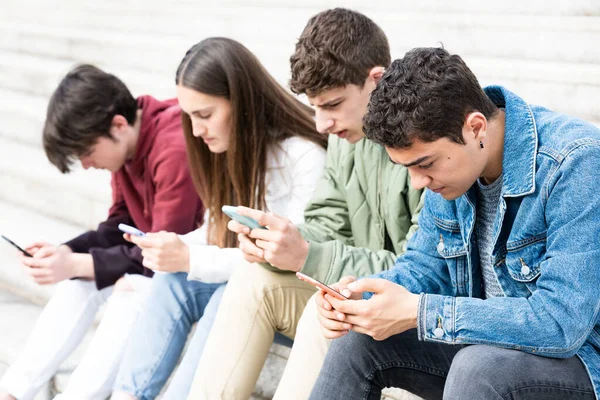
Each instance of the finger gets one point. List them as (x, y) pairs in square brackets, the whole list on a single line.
[(145, 242), (354, 307), (44, 252), (342, 285), (37, 245), (270, 235), (39, 273), (45, 281), (334, 325), (368, 285), (261, 217), (248, 247), (333, 334), (236, 227), (127, 237), (321, 302), (265, 245), (148, 263), (34, 262)]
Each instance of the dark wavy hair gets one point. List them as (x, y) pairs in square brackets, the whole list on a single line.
[(336, 48), (81, 111), (263, 115), (425, 95)]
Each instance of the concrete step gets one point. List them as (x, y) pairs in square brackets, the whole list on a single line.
[(81, 198), (540, 82)]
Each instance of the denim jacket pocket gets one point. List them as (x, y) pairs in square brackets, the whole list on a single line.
[(450, 242), (524, 258)]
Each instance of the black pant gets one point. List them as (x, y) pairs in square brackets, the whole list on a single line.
[(359, 367)]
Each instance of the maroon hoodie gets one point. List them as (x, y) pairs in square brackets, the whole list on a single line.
[(153, 192)]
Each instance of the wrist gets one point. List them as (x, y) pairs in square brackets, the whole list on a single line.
[(186, 259), (65, 249), (303, 256)]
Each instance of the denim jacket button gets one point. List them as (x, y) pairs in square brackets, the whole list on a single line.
[(438, 333), (525, 270)]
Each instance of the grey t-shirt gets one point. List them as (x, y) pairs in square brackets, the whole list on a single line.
[(487, 206)]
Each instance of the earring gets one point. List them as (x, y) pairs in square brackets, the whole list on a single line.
[(481, 144)]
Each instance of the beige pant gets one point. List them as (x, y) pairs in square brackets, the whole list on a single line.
[(256, 304), (306, 358)]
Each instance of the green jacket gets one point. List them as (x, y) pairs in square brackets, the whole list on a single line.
[(361, 193)]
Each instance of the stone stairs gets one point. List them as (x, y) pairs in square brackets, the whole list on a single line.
[(544, 50)]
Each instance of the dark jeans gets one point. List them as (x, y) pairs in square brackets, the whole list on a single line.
[(359, 367)]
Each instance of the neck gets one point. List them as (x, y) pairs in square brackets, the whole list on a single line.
[(495, 142), (135, 135)]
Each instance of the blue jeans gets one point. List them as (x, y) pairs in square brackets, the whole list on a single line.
[(174, 306), (358, 367)]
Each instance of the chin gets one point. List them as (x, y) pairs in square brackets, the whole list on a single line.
[(354, 138)]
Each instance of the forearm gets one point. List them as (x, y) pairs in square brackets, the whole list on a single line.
[(83, 266)]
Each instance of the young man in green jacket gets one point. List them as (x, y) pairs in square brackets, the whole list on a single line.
[(357, 223)]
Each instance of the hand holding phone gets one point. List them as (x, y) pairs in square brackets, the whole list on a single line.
[(320, 285), (17, 246), (131, 230), (232, 213)]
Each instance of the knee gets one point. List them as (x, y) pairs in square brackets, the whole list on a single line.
[(123, 285), (473, 372), (356, 344), (251, 280)]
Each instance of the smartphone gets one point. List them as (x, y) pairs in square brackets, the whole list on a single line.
[(232, 213), (327, 289), (131, 230), (16, 245)]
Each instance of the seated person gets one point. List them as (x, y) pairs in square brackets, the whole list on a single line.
[(498, 293), (93, 117), (249, 143), (339, 58)]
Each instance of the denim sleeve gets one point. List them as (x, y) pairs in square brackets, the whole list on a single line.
[(560, 314), (421, 269)]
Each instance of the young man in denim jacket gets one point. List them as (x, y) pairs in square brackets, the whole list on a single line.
[(498, 294)]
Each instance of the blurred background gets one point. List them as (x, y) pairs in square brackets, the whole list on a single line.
[(547, 51)]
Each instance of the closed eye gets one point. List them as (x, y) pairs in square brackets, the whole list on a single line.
[(426, 166)]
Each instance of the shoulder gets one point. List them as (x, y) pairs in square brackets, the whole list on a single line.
[(561, 135), (295, 149)]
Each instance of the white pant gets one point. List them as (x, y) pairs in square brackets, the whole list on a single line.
[(61, 328)]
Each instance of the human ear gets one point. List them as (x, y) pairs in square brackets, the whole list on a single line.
[(476, 126), (376, 73)]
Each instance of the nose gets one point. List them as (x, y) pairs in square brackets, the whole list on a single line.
[(418, 180), (198, 129), (324, 123), (86, 164)]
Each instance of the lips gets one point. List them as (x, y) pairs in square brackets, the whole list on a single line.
[(438, 190), (342, 134)]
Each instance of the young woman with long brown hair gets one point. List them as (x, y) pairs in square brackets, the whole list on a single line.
[(249, 143)]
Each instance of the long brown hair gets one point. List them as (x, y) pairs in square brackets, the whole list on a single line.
[(263, 114)]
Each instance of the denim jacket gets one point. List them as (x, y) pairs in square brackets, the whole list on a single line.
[(546, 254)]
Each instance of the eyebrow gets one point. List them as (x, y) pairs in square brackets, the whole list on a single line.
[(417, 161), (201, 110), (328, 103)]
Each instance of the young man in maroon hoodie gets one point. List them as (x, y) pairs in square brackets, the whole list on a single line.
[(93, 117)]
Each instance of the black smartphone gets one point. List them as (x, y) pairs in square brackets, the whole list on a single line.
[(16, 245)]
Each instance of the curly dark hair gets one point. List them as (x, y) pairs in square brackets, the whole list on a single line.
[(336, 48), (425, 95)]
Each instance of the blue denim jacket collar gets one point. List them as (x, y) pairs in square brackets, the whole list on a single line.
[(521, 142)]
